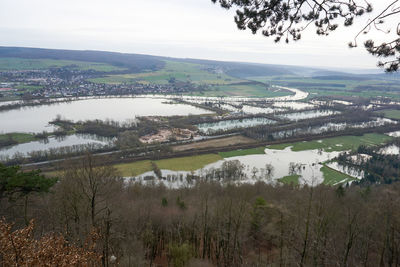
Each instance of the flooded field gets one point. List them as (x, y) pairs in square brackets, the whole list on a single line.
[(293, 105), (306, 164), (353, 172), (394, 134), (232, 124), (36, 119), (308, 114), (332, 127), (390, 150), (53, 142), (260, 110)]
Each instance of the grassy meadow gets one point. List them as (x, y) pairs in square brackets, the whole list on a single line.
[(335, 86), (332, 177), (242, 152), (180, 71), (290, 179), (392, 114), (18, 137)]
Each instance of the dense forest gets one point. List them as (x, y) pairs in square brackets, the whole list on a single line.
[(377, 166), (92, 217)]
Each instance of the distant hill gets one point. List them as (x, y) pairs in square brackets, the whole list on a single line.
[(141, 63), (356, 77), (133, 62), (241, 69), (346, 77)]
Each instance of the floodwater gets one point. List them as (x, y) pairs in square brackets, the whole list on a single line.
[(296, 96), (259, 110), (293, 105), (308, 114), (394, 134), (332, 127), (356, 173), (390, 150), (247, 109), (53, 142), (232, 124), (346, 103), (35, 119), (308, 165), (6, 103)]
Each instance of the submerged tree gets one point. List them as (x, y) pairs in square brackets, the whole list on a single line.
[(287, 19)]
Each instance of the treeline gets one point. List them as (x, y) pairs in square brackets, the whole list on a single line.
[(341, 78), (124, 134), (376, 166), (8, 140), (214, 224), (110, 128), (378, 87), (34, 102), (350, 122), (115, 151), (57, 153), (128, 132), (313, 85)]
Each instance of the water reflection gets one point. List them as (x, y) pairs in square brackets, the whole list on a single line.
[(306, 164), (35, 119), (53, 142), (308, 114), (232, 124), (390, 150)]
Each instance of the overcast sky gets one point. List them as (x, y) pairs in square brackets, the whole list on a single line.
[(175, 28)]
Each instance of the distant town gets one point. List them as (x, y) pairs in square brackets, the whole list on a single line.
[(67, 82)]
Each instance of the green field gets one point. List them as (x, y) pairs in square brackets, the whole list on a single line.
[(334, 87), (308, 82), (291, 179), (7, 64), (184, 72), (191, 163), (242, 152), (332, 176), (18, 137), (353, 94), (392, 114), (339, 143)]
